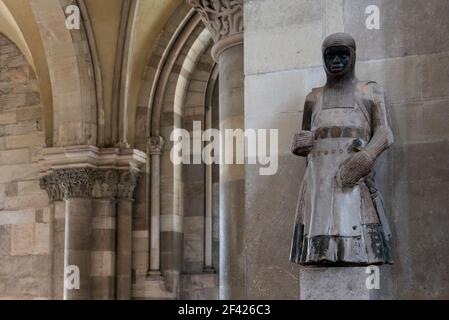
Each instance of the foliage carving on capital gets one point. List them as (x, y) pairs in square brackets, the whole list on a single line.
[(221, 17), (127, 182), (51, 184), (105, 183), (76, 182), (155, 145)]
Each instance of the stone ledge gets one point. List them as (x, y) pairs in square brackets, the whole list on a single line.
[(86, 156)]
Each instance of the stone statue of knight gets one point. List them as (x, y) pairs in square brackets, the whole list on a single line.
[(340, 214)]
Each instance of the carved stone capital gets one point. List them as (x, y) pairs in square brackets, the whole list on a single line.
[(76, 182), (51, 184), (127, 182), (155, 145), (105, 183), (224, 20)]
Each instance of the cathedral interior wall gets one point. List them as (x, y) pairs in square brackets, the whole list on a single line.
[(409, 57), (25, 216)]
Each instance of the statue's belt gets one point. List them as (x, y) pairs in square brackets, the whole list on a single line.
[(342, 132)]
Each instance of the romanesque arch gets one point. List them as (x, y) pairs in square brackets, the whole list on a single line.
[(178, 71)]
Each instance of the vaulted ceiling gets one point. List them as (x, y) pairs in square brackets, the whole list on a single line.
[(143, 23)]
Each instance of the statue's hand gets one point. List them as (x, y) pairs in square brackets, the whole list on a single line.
[(357, 166), (302, 143)]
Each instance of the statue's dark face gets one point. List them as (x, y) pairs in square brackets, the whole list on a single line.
[(337, 59)]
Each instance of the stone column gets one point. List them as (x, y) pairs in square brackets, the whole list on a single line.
[(77, 184), (224, 19), (55, 193), (97, 186), (104, 235), (155, 145), (125, 198), (208, 204)]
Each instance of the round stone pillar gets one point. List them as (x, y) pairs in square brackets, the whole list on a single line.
[(224, 19), (103, 245), (125, 190), (94, 223), (155, 145), (55, 193), (77, 184)]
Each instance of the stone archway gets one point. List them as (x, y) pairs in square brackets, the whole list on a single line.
[(176, 69)]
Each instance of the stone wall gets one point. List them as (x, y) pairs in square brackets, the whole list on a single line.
[(195, 283), (409, 57), (25, 218)]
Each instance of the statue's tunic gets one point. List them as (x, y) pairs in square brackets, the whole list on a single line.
[(338, 225)]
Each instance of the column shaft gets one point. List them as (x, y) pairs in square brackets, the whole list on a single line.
[(78, 238), (124, 248), (103, 249), (155, 233), (232, 184), (208, 265), (58, 249)]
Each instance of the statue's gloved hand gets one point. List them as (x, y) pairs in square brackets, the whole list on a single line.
[(302, 143), (357, 166)]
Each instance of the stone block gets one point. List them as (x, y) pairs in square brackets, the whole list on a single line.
[(17, 172), (17, 217), (11, 189), (9, 117), (14, 157), (30, 187), (334, 284), (399, 77), (193, 244), (435, 75), (22, 141), (420, 162), (283, 35), (29, 113), (42, 238), (421, 206), (102, 263), (199, 286), (280, 92), (286, 124), (5, 240), (270, 215), (26, 201), (22, 242), (407, 27), (42, 265), (419, 122), (334, 16)]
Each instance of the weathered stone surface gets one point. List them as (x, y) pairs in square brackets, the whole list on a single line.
[(268, 228), (283, 35), (22, 242), (15, 157), (17, 217), (418, 122), (193, 248), (334, 284), (199, 286), (407, 27), (387, 72), (435, 75)]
